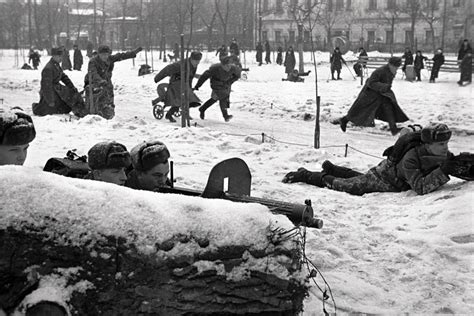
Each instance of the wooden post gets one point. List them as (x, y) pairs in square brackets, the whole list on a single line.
[(316, 126)]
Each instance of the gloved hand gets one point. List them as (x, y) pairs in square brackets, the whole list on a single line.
[(301, 175), (74, 89), (449, 166), (138, 49)]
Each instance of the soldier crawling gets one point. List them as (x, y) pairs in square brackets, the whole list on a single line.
[(422, 168)]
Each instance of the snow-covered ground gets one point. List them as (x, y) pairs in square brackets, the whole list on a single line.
[(380, 253)]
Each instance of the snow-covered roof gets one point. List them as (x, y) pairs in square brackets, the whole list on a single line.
[(85, 12)]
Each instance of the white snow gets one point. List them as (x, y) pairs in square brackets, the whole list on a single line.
[(380, 253)]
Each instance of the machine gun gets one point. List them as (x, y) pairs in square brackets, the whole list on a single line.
[(236, 174), (465, 166)]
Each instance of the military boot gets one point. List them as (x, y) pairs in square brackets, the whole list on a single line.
[(338, 171)]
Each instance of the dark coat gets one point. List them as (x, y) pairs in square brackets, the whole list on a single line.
[(336, 61), (259, 49), (173, 94), (267, 52), (363, 58), (279, 59), (78, 59), (35, 58), (290, 61), (221, 80), (408, 56), (234, 49), (419, 64), (376, 92), (53, 92), (66, 62), (465, 59), (222, 52)]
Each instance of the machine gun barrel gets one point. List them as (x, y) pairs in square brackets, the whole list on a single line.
[(299, 214)]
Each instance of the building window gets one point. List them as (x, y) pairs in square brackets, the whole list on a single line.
[(279, 5), (306, 36), (339, 5), (372, 4), (408, 35), (265, 5), (291, 35), (391, 4), (278, 36), (264, 35), (371, 37), (348, 5), (388, 37), (456, 3), (329, 4), (428, 36)]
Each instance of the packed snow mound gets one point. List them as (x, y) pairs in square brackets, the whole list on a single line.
[(86, 211)]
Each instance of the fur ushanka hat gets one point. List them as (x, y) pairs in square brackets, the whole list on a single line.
[(148, 154), (108, 155), (436, 132), (16, 128)]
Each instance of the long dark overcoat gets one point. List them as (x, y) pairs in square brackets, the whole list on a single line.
[(53, 92), (173, 94), (290, 61), (465, 59), (78, 59), (375, 93)]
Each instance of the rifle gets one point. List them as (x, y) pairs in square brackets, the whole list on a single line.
[(465, 166), (236, 174)]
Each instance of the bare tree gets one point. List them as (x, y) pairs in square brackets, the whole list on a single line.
[(223, 17), (413, 9), (209, 28), (328, 18), (391, 16), (301, 14)]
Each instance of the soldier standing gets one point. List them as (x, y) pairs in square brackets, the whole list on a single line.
[(100, 77), (78, 60)]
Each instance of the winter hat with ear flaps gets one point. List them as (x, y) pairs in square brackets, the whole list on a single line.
[(104, 49), (435, 132), (148, 154), (108, 155), (16, 128), (395, 61)]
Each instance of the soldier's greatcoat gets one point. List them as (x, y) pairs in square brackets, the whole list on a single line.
[(374, 96), (52, 92)]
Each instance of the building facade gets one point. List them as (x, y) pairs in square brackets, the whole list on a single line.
[(384, 25)]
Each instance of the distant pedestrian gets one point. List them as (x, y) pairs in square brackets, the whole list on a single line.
[(66, 60), (34, 57), (408, 57), (336, 63), (279, 60), (361, 63), (234, 48), (465, 62), (419, 64), (78, 60), (259, 49), (267, 52), (290, 61), (222, 52), (438, 61), (89, 49)]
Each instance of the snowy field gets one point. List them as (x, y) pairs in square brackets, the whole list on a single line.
[(380, 253)]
